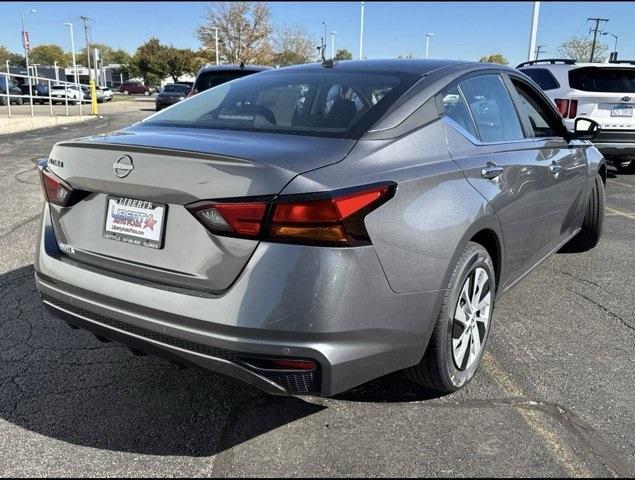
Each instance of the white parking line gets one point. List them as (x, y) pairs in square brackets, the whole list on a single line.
[(615, 211), (620, 183)]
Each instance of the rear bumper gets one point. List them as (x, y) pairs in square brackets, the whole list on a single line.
[(333, 306), (616, 142)]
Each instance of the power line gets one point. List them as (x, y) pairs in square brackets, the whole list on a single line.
[(595, 33)]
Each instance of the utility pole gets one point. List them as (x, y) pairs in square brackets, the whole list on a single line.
[(333, 33), (534, 30), (595, 33), (85, 20), (428, 35), (539, 48)]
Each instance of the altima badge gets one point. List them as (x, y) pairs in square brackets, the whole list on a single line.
[(123, 166)]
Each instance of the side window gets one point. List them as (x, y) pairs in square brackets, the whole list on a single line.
[(536, 111), (543, 77), (492, 109), (454, 107)]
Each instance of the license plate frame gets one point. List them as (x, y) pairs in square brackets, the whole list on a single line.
[(134, 221), (622, 111)]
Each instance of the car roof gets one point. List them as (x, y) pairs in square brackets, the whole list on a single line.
[(213, 68), (412, 66)]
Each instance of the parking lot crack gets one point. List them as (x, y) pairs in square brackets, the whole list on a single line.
[(609, 312)]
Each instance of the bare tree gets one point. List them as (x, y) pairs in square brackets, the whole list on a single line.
[(293, 45), (244, 29), (579, 49)]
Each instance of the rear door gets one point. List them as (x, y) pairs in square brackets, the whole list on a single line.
[(605, 94), (504, 163), (567, 160)]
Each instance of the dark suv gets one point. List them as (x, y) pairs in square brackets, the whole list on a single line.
[(134, 87), (213, 75)]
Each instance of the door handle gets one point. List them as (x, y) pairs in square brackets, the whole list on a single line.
[(554, 168), (491, 171)]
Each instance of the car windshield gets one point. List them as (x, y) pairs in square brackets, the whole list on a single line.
[(175, 88), (598, 79), (323, 103)]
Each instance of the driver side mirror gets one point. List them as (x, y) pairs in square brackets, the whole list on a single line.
[(585, 129)]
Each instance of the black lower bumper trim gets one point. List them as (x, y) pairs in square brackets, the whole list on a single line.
[(215, 359)]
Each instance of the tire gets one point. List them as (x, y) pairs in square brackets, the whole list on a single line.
[(147, 93), (2, 101), (591, 231), (19, 101), (157, 108), (126, 92), (441, 368)]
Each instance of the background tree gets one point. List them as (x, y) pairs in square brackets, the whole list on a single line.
[(149, 62), (293, 45), (495, 58), (343, 54), (244, 28), (178, 62), (579, 49), (48, 55), (14, 58)]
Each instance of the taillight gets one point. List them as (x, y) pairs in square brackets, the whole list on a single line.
[(567, 108), (56, 191), (192, 92), (562, 105), (334, 218), (573, 108)]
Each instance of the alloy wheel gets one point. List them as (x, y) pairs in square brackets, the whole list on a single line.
[(471, 319)]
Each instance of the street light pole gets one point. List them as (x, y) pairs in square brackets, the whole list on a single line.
[(428, 35), (333, 33), (26, 58), (216, 40), (70, 25), (534, 31), (361, 33), (614, 36)]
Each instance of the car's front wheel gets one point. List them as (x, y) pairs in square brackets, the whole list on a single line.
[(146, 93), (462, 328)]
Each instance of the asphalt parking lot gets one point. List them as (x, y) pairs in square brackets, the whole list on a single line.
[(554, 397)]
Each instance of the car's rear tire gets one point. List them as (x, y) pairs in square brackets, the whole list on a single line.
[(146, 93), (460, 326), (126, 92), (591, 231)]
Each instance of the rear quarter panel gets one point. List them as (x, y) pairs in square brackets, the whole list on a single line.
[(417, 234)]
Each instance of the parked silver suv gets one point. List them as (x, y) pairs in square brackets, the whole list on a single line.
[(311, 228), (604, 92)]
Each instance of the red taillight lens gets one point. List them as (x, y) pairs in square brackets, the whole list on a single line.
[(243, 219), (567, 108), (573, 108), (192, 92), (335, 218), (56, 191), (562, 105)]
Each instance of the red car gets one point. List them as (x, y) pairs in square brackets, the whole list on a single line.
[(134, 87)]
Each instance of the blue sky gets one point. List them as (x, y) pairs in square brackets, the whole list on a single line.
[(463, 30)]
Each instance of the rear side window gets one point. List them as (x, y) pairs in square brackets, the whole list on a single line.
[(454, 107), (543, 77), (212, 79), (599, 79), (492, 109)]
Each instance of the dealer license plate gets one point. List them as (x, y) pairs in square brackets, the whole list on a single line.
[(135, 221)]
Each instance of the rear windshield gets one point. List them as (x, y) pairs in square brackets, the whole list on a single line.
[(207, 80), (323, 103), (598, 79), (543, 77), (175, 88)]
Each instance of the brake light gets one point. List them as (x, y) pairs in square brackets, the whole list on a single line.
[(573, 108), (563, 106), (334, 218), (567, 108), (56, 191), (192, 92)]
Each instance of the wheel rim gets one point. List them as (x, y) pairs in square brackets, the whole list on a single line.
[(471, 319)]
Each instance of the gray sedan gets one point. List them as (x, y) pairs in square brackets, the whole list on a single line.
[(311, 228)]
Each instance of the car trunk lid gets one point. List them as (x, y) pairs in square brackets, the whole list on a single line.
[(172, 168)]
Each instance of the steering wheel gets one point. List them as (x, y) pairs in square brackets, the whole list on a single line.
[(258, 110)]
